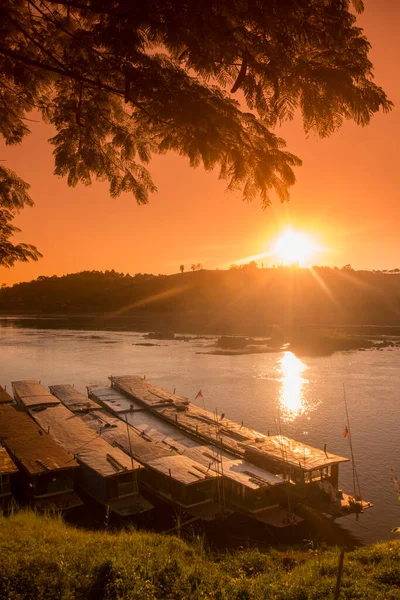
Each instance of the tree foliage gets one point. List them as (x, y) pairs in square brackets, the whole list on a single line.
[(13, 196), (121, 81)]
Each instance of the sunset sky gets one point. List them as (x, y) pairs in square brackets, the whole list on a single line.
[(346, 198)]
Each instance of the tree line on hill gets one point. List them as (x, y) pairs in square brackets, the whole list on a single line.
[(245, 300)]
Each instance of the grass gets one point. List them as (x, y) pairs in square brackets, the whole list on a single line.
[(42, 558)]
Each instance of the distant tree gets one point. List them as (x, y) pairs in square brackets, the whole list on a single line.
[(182, 268), (233, 267), (121, 80), (251, 266)]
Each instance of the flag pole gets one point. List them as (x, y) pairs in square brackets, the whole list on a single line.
[(355, 476)]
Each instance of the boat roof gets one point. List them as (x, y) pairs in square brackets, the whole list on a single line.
[(144, 421), (171, 437), (146, 392), (30, 393), (113, 399), (183, 469), (115, 432), (185, 415), (81, 442), (148, 452), (238, 470), (291, 452), (7, 465), (207, 426), (72, 399), (5, 397), (29, 446)]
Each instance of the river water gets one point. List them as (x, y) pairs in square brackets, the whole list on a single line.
[(304, 397)]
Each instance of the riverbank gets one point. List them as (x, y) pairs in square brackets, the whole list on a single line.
[(46, 559)]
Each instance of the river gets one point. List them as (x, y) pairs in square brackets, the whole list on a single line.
[(304, 397)]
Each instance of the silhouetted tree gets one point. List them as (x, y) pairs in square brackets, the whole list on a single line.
[(13, 196), (122, 80), (182, 268)]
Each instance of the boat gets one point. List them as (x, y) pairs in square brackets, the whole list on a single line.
[(106, 474), (46, 471), (312, 474)]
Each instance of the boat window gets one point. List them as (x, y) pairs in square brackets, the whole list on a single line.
[(325, 472)]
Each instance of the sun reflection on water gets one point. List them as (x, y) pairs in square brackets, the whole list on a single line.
[(292, 399)]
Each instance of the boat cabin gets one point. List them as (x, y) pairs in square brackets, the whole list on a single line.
[(311, 470), (246, 489), (182, 481), (46, 471), (7, 470)]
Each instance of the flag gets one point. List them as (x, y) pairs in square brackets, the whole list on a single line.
[(345, 432), (199, 395)]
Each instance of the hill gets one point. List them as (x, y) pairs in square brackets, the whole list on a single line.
[(237, 301)]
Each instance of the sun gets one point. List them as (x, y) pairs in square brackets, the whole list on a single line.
[(293, 247)]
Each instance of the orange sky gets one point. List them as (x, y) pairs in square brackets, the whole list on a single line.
[(346, 196)]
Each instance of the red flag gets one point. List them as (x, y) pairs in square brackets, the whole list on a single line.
[(345, 432), (199, 395)]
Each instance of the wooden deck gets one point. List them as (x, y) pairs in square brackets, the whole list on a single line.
[(344, 506)]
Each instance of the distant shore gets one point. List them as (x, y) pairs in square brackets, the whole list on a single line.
[(303, 341)]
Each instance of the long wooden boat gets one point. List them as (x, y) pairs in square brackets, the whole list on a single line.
[(105, 473), (46, 471), (242, 487), (313, 474)]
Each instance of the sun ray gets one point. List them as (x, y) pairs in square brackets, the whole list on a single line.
[(323, 286)]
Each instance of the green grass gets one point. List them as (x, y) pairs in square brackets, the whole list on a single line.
[(42, 558)]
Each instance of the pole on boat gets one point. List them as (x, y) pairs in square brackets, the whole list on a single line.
[(134, 474), (356, 484)]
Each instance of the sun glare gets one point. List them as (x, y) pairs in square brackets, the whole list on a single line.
[(293, 247)]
